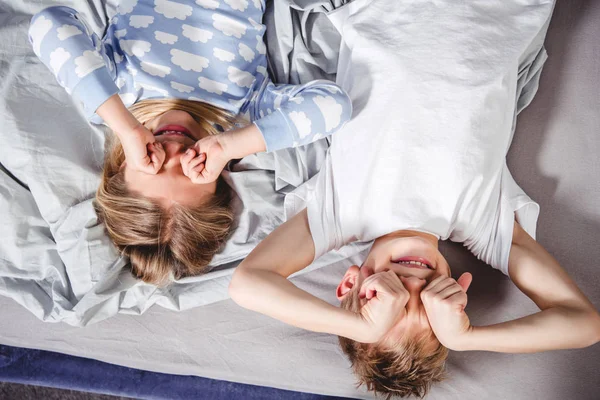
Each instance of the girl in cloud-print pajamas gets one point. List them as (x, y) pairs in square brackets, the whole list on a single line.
[(171, 78), (208, 50)]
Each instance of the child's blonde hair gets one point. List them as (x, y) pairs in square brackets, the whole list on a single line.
[(164, 243), (406, 368)]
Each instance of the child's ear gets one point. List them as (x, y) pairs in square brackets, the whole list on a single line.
[(348, 281)]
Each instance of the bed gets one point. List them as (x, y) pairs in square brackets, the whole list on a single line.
[(553, 157)]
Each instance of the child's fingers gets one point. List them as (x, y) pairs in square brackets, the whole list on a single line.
[(188, 156), (379, 284), (366, 284), (194, 163), (443, 285), (431, 286), (199, 167), (465, 280), (449, 291), (189, 160), (196, 173)]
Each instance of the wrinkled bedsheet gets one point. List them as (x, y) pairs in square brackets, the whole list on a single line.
[(554, 158), (55, 259)]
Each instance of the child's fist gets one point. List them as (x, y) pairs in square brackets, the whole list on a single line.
[(445, 300), (204, 163), (386, 301), (142, 151), (192, 165)]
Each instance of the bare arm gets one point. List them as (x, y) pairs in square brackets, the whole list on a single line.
[(117, 116), (140, 147), (567, 318), (260, 284)]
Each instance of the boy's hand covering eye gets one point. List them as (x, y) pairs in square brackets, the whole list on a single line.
[(386, 301), (445, 300), (205, 162), (142, 151)]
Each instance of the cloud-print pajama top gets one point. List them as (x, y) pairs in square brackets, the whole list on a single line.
[(208, 50)]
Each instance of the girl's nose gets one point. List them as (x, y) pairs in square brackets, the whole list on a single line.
[(172, 148)]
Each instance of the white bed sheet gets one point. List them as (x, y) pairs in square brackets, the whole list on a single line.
[(554, 157)]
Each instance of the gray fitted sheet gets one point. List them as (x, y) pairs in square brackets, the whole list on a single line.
[(554, 157), (55, 258)]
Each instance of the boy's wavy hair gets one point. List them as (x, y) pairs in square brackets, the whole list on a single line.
[(402, 369), (164, 243)]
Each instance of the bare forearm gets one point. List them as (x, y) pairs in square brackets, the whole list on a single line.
[(117, 116), (552, 329), (271, 294), (242, 142)]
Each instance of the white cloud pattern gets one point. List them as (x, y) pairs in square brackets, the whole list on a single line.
[(261, 70), (228, 26), (246, 52), (58, 58), (331, 110), (88, 62), (155, 69), (120, 82), (136, 48), (37, 31), (212, 86), (120, 33), (188, 61), (239, 77), (223, 55), (165, 38), (128, 98), (126, 6), (132, 71), (152, 88), (210, 4), (141, 21), (302, 123), (171, 9), (180, 87), (255, 24), (239, 5), (66, 31), (260, 45), (196, 34)]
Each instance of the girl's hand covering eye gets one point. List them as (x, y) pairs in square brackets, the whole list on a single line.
[(142, 152), (386, 301), (192, 165), (205, 162), (445, 300)]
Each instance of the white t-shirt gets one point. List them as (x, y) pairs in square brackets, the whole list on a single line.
[(426, 149)]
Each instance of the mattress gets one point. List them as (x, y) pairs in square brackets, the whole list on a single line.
[(553, 158)]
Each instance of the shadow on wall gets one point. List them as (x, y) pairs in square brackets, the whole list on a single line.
[(565, 228)]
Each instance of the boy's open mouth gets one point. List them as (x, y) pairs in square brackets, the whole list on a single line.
[(174, 130), (414, 262)]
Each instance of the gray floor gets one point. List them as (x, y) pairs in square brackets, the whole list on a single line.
[(15, 391)]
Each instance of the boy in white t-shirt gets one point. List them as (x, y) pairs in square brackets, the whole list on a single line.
[(422, 160)]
